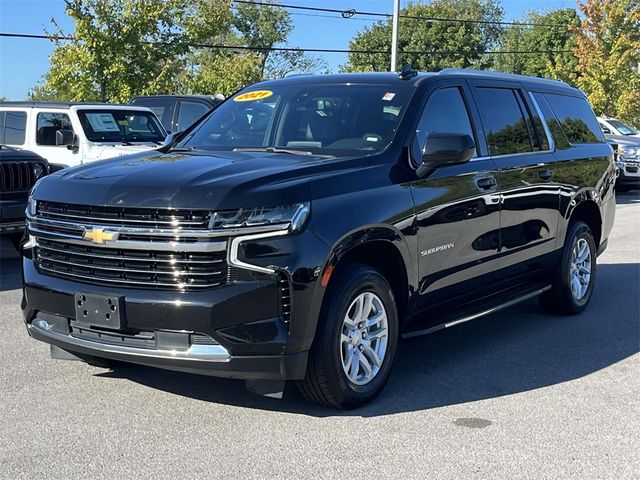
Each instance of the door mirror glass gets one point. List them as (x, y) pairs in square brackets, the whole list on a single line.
[(442, 148), (64, 137)]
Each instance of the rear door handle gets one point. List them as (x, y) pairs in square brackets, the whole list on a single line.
[(545, 174), (485, 183)]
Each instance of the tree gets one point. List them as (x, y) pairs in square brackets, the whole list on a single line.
[(608, 51), (125, 47), (548, 40), (259, 28), (467, 42)]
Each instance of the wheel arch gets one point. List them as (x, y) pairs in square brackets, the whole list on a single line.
[(587, 211)]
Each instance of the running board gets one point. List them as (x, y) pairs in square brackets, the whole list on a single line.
[(468, 318)]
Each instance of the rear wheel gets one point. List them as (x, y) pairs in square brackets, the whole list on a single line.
[(575, 274), (356, 340)]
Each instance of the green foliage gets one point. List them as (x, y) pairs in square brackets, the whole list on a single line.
[(519, 38), (608, 51), (122, 48), (420, 35)]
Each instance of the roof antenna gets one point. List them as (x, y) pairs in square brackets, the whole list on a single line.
[(407, 72)]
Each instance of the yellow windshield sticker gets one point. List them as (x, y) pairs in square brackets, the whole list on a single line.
[(251, 96)]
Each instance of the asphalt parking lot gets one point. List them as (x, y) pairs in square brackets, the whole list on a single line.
[(518, 394)]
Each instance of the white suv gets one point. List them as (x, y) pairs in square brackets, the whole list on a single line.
[(612, 126), (68, 134)]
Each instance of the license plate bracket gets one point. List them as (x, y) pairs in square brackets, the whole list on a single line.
[(99, 310)]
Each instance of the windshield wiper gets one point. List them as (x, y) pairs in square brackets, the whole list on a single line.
[(273, 150), (182, 149)]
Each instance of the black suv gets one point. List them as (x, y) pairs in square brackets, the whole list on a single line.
[(307, 224), (19, 171)]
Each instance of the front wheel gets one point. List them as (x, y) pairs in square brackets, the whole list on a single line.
[(356, 340), (575, 274)]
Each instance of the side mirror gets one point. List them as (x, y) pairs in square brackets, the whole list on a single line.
[(64, 137), (171, 137), (443, 148), (74, 146)]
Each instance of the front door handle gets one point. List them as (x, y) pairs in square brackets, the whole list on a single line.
[(486, 183), (546, 174)]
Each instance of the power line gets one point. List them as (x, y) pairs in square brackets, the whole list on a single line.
[(349, 13), (315, 50)]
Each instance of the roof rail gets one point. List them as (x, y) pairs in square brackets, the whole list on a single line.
[(493, 73)]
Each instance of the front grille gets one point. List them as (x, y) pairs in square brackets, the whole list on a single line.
[(17, 176), (125, 217), (141, 339), (135, 268)]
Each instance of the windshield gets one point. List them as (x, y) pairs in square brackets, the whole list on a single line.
[(622, 127), (321, 119), (121, 126)]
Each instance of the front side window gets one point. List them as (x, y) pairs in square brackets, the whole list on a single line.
[(48, 123), (323, 119), (506, 128), (445, 112), (121, 126), (576, 118), (12, 127)]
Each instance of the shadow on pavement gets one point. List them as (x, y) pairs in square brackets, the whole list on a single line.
[(515, 350), (10, 274)]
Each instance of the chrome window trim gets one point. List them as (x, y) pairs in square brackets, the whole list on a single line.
[(234, 246), (547, 132)]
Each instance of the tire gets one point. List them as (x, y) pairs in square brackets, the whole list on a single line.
[(561, 299), (327, 382)]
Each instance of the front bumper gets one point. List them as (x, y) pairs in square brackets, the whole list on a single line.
[(248, 338), (628, 173), (12, 215)]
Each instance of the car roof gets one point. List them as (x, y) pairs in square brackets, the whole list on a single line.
[(394, 78), (208, 98), (65, 105)]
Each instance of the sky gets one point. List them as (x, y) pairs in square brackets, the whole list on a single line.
[(24, 61)]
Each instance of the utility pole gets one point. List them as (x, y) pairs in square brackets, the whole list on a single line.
[(394, 35)]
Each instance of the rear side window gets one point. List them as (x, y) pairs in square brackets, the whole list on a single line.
[(506, 123), (162, 107), (47, 126), (445, 112), (12, 128), (576, 118), (189, 113)]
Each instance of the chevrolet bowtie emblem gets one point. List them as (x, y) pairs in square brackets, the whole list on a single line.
[(98, 235)]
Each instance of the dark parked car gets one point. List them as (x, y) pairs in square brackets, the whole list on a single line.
[(19, 171), (307, 224), (178, 112)]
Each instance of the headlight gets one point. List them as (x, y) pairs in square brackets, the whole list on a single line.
[(628, 152), (295, 215), (32, 206), (38, 170)]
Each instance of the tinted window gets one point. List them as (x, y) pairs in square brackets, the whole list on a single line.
[(47, 126), (162, 107), (504, 121), (445, 112), (12, 128), (323, 119), (558, 135), (189, 113), (576, 118)]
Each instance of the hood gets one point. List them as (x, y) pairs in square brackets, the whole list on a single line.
[(624, 140), (102, 151), (199, 180)]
